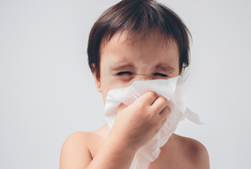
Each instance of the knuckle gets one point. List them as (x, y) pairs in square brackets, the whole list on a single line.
[(140, 105), (153, 93), (168, 109), (148, 116), (158, 111), (164, 98)]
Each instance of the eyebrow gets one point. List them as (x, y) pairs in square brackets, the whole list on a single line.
[(159, 66), (121, 67), (164, 68)]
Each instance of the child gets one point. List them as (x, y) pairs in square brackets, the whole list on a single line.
[(135, 40)]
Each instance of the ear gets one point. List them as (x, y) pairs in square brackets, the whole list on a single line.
[(97, 80)]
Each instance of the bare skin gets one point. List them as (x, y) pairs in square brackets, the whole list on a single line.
[(178, 153), (123, 62)]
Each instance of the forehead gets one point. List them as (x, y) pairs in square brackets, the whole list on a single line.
[(127, 42), (133, 37)]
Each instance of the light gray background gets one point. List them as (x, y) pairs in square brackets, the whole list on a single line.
[(47, 91)]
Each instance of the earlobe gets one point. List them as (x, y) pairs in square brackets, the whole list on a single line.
[(97, 80), (97, 83)]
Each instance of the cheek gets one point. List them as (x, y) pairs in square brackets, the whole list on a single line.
[(114, 83), (111, 82)]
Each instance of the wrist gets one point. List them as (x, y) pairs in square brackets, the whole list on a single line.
[(121, 144)]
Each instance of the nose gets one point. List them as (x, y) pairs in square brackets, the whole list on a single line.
[(143, 77)]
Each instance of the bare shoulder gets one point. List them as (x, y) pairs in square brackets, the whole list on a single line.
[(195, 152), (75, 151), (80, 148)]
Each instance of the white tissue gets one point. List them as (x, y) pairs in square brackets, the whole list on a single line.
[(173, 90)]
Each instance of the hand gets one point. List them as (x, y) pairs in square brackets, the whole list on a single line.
[(138, 123)]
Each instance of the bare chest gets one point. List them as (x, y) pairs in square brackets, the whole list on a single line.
[(169, 158)]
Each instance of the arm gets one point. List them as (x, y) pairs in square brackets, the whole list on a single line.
[(134, 126), (113, 154)]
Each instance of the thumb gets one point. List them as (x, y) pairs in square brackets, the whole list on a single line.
[(122, 106)]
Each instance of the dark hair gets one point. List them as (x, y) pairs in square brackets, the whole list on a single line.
[(138, 17)]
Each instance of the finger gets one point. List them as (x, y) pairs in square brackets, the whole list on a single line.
[(161, 124), (121, 107), (165, 112), (163, 121), (159, 104), (148, 98)]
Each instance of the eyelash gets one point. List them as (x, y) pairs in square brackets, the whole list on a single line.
[(121, 73), (160, 74)]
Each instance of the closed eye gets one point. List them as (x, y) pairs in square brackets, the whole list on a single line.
[(124, 73), (160, 74)]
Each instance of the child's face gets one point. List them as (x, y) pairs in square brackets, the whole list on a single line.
[(123, 62)]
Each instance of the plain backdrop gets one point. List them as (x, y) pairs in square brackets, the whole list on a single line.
[(47, 91)]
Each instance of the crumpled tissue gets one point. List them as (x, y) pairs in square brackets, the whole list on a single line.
[(173, 90)]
